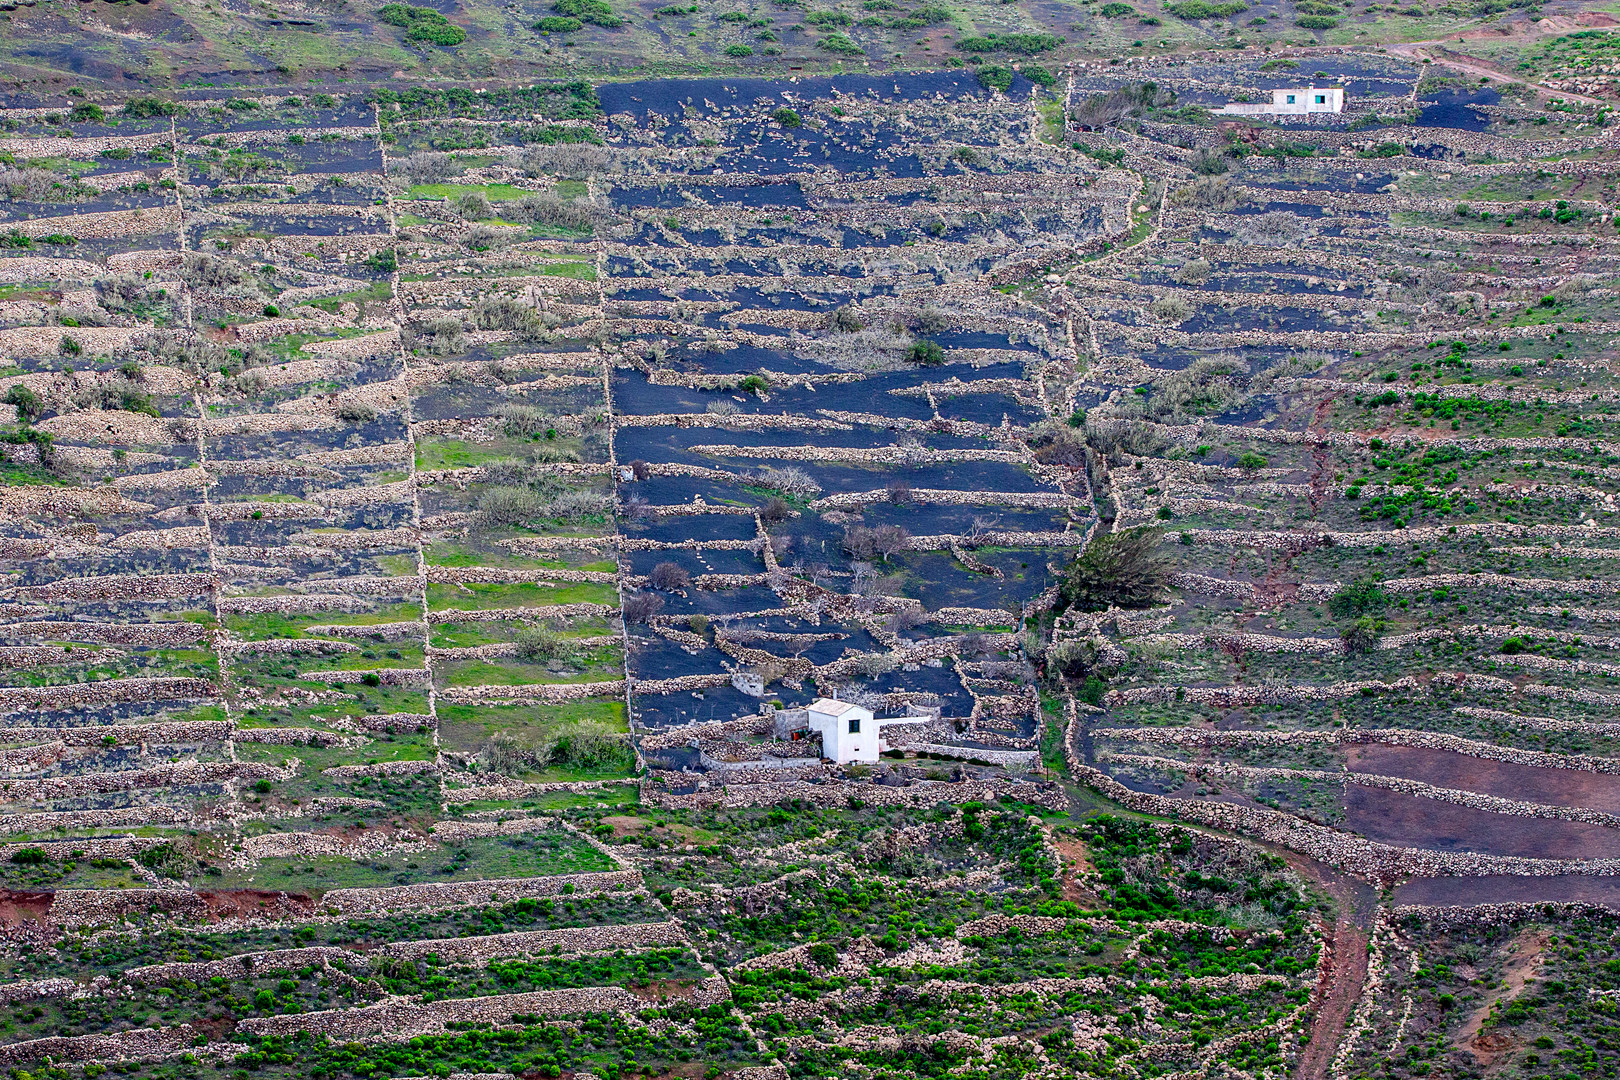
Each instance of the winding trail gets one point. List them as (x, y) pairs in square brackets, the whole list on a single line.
[(1344, 977), (1433, 50)]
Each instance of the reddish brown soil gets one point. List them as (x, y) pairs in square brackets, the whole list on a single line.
[(665, 989), (16, 907), (1488, 1046), (1076, 864), (216, 1028), (1338, 990), (1526, 783), (1390, 817), (247, 903)]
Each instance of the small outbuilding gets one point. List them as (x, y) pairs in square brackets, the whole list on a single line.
[(1296, 101), (849, 732)]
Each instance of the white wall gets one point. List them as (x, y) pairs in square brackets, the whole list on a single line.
[(1304, 102), (838, 743)]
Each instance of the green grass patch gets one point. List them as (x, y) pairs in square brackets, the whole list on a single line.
[(516, 595), (493, 192)]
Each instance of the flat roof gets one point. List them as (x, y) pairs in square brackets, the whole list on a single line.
[(831, 706)]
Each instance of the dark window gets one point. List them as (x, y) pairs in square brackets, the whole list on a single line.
[(854, 725)]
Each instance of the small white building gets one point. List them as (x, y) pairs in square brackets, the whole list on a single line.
[(1298, 101), (849, 732)]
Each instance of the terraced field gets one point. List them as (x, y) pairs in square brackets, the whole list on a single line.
[(428, 514)]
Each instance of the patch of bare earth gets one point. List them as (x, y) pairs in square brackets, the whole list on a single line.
[(1337, 990), (248, 903), (1392, 817), (664, 990), (18, 907), (1489, 1046), (1508, 780), (1076, 865)]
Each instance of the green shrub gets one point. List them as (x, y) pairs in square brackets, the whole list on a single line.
[(1357, 599), (926, 353), (1123, 569), (827, 18), (1038, 75), (923, 16), (422, 24), (1203, 9), (29, 404), (117, 153), (87, 112), (170, 859), (1017, 44), (558, 24), (29, 856), (996, 77), (754, 384), (384, 261), (1513, 646), (399, 14), (1115, 10), (595, 12), (739, 51), (1360, 637), (1316, 22), (143, 108), (787, 117), (60, 239), (68, 347), (1384, 150), (842, 44), (436, 33)]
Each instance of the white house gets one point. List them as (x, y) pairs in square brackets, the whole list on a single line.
[(849, 732), (1298, 101)]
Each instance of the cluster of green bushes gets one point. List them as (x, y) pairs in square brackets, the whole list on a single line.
[(1019, 44), (422, 24), (556, 101), (1203, 9)]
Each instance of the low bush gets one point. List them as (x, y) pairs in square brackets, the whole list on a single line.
[(996, 77), (1202, 9), (1019, 44), (595, 12), (422, 24), (142, 108), (842, 44)]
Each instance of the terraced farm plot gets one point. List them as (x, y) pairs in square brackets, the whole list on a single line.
[(434, 521)]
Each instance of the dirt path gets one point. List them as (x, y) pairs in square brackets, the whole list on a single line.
[(1432, 50), (1345, 974), (1077, 865), (1528, 949), (1344, 977)]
